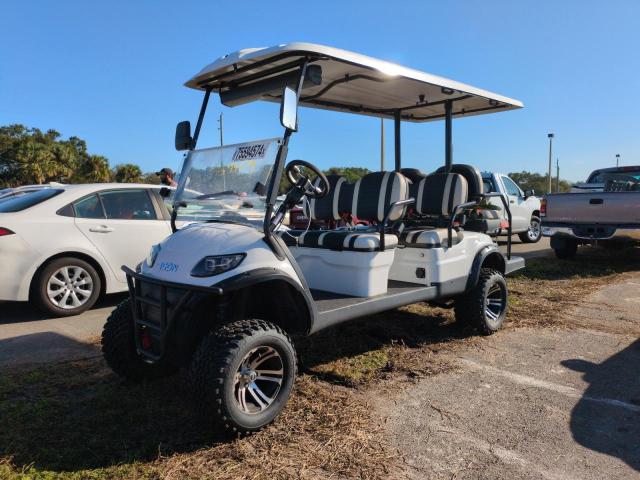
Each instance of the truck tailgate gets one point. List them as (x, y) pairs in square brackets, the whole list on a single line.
[(594, 207)]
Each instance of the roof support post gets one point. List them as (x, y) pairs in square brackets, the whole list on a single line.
[(396, 120), (448, 142)]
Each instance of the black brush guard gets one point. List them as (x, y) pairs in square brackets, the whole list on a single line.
[(154, 315)]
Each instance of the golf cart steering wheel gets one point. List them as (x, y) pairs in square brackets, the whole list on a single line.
[(299, 179)]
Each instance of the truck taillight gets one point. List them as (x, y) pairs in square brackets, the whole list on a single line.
[(543, 207), (5, 231)]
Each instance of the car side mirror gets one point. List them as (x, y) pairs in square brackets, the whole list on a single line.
[(289, 109), (529, 193), (183, 136)]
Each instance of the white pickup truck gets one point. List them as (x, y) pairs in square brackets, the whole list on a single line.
[(524, 206), (604, 210)]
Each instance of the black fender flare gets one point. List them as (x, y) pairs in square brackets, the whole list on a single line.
[(490, 252), (268, 274)]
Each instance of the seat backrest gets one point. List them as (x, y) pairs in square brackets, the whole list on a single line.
[(326, 208), (415, 176), (374, 194), (439, 193), (471, 174)]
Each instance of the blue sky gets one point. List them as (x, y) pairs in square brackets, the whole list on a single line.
[(113, 73)]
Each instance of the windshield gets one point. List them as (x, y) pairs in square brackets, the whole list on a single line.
[(620, 175), (227, 184)]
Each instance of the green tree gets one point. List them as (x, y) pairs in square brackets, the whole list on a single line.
[(538, 182), (151, 178), (92, 169), (127, 173)]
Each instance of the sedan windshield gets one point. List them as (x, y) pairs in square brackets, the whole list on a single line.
[(227, 184)]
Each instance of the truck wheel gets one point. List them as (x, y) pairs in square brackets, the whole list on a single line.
[(66, 286), (119, 348), (485, 306), (565, 248), (243, 374), (533, 233)]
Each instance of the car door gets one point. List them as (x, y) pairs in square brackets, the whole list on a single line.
[(517, 204), (123, 224)]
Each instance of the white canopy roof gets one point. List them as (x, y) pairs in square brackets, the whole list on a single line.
[(353, 83)]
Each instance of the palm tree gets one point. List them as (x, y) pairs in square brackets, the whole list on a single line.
[(128, 173)]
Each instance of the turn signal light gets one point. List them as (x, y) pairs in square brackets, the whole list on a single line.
[(5, 231)]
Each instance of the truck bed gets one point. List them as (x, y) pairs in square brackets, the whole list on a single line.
[(594, 208)]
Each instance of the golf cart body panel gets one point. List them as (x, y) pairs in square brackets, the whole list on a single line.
[(352, 83)]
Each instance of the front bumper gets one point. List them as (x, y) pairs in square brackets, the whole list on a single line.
[(593, 232), (156, 304)]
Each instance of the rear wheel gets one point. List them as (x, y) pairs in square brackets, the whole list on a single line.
[(485, 306), (67, 286), (243, 374), (564, 248), (533, 233), (119, 348)]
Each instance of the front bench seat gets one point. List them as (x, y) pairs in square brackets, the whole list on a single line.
[(369, 198)]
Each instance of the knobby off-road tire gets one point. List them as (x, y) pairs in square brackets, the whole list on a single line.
[(231, 363), (533, 233), (485, 306), (66, 286), (119, 348)]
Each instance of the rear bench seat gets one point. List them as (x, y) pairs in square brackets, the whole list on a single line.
[(369, 199)]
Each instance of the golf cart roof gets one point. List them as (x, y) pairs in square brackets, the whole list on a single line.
[(352, 83)]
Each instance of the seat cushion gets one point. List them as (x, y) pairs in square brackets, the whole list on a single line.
[(374, 194), (349, 240), (326, 208), (427, 238)]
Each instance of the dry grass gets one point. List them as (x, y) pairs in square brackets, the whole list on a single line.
[(77, 420)]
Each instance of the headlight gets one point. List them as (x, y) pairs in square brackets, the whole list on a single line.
[(217, 264), (153, 254)]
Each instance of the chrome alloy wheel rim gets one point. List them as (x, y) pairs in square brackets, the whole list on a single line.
[(69, 287), (495, 303), (534, 230), (258, 380)]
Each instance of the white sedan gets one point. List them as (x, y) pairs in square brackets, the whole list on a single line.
[(62, 247)]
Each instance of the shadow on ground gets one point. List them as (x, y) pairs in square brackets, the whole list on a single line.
[(16, 312), (42, 346), (607, 417), (79, 415)]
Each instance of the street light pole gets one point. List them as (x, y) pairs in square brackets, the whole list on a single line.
[(557, 175), (220, 128), (382, 144), (617, 159), (550, 135)]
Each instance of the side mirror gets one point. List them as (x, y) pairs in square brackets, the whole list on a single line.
[(529, 193), (183, 136), (289, 109)]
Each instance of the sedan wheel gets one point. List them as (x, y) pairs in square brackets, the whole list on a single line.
[(70, 287), (66, 286)]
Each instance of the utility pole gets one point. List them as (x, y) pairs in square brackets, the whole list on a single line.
[(550, 135), (617, 159), (220, 128), (382, 144), (557, 175)]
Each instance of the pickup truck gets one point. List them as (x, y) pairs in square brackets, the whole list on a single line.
[(603, 211), (524, 206)]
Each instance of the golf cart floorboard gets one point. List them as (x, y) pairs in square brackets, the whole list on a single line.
[(334, 308)]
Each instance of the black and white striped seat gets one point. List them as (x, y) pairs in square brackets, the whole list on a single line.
[(341, 240), (427, 238)]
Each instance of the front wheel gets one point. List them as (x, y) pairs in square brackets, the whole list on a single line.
[(243, 374), (533, 233), (485, 306)]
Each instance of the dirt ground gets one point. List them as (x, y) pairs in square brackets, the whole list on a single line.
[(557, 402)]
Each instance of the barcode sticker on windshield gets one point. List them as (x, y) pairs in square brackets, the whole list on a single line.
[(250, 152)]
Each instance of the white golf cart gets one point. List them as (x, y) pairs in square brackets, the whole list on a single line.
[(222, 295)]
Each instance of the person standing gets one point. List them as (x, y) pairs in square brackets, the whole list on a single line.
[(167, 177)]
